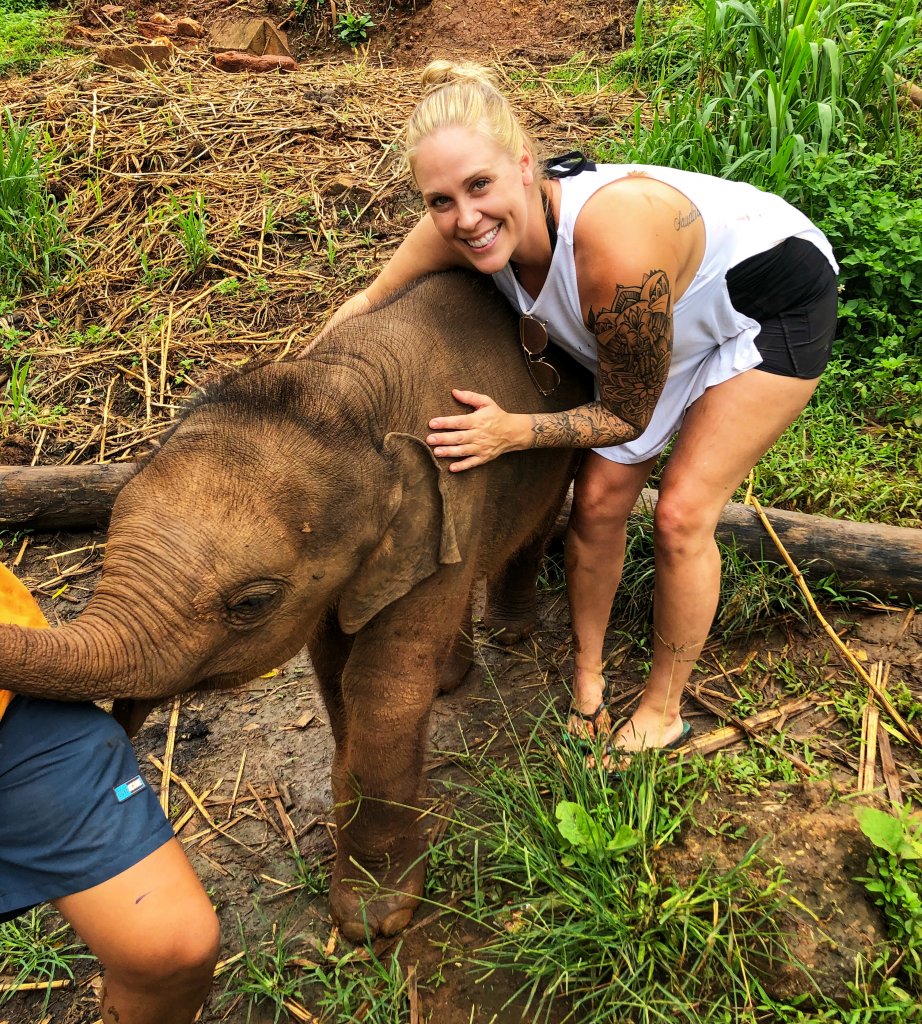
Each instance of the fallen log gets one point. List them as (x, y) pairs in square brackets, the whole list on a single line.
[(881, 559), (60, 497), (884, 560)]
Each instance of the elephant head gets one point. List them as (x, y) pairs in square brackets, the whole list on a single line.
[(260, 511)]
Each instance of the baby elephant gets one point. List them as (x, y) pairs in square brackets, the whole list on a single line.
[(297, 503)]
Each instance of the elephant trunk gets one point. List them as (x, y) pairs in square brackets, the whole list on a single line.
[(80, 661), (109, 651)]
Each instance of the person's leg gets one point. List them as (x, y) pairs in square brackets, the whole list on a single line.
[(155, 932), (604, 493), (724, 434)]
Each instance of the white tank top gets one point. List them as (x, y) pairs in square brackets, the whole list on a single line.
[(712, 341)]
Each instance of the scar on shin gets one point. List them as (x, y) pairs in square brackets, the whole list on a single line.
[(141, 897)]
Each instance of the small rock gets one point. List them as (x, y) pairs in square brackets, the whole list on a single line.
[(235, 60), (138, 55), (255, 35), (154, 30), (189, 28)]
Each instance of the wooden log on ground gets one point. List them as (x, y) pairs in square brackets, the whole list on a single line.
[(881, 559), (60, 497)]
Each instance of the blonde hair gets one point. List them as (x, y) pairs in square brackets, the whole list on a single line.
[(465, 96)]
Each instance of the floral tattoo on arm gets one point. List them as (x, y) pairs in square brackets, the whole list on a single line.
[(634, 339)]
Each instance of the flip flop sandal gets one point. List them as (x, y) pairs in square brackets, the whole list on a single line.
[(680, 741), (583, 743)]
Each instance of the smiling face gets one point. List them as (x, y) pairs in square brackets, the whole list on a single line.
[(476, 193)]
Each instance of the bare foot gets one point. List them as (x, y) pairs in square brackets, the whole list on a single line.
[(646, 730), (589, 716), (643, 731)]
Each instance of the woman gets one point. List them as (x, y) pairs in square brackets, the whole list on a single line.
[(706, 309), (80, 828)]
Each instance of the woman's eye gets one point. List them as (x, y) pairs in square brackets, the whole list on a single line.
[(480, 184), (439, 202)]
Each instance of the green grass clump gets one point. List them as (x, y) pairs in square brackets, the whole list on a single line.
[(758, 91), (34, 242), (284, 973), (33, 950), (837, 460), (593, 922)]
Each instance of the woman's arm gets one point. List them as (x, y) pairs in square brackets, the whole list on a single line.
[(422, 252), (627, 262)]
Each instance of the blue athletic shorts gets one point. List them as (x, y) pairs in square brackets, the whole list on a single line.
[(74, 809)]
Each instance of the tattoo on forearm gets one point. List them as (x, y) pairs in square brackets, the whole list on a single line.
[(685, 220), (589, 426), (634, 339)]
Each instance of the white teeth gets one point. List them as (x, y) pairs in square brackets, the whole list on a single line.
[(484, 240)]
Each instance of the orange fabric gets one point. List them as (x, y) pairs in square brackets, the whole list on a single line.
[(17, 608)]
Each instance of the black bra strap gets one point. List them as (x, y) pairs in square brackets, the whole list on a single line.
[(567, 165), (551, 226)]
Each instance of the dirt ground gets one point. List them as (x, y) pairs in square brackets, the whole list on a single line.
[(257, 761)]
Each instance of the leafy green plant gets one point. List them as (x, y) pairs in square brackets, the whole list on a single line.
[(760, 91), (34, 949), (353, 29), (895, 882), (19, 402)]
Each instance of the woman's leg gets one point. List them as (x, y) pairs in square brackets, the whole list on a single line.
[(604, 494), (725, 432), (155, 932)]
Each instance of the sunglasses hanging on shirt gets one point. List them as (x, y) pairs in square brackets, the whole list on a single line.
[(534, 340)]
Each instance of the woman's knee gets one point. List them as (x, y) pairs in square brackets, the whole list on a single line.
[(682, 527), (601, 501)]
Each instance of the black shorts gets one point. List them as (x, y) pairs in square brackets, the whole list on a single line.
[(791, 290)]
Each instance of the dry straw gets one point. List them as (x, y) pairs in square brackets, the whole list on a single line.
[(301, 198)]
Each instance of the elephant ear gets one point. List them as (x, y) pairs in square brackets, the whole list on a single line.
[(418, 539)]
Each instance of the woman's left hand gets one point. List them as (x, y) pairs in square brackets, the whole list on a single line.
[(480, 436)]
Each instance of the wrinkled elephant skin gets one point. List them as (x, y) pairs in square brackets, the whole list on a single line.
[(297, 503)]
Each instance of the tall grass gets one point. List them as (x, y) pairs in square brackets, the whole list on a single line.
[(756, 91), (34, 242)]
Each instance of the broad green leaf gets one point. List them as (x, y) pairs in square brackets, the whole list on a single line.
[(576, 825), (889, 833)]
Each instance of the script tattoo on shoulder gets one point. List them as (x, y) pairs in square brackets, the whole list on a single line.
[(634, 340), (685, 220)]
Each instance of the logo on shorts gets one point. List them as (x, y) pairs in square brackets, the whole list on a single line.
[(129, 788)]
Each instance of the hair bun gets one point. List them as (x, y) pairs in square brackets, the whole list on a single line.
[(439, 73)]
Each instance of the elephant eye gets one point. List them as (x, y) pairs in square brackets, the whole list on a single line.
[(249, 605)]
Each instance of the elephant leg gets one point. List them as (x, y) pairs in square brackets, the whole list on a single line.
[(512, 605), (388, 688), (461, 659), (329, 649)]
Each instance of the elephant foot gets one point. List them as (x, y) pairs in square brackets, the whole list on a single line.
[(508, 629), (456, 672), (364, 910)]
